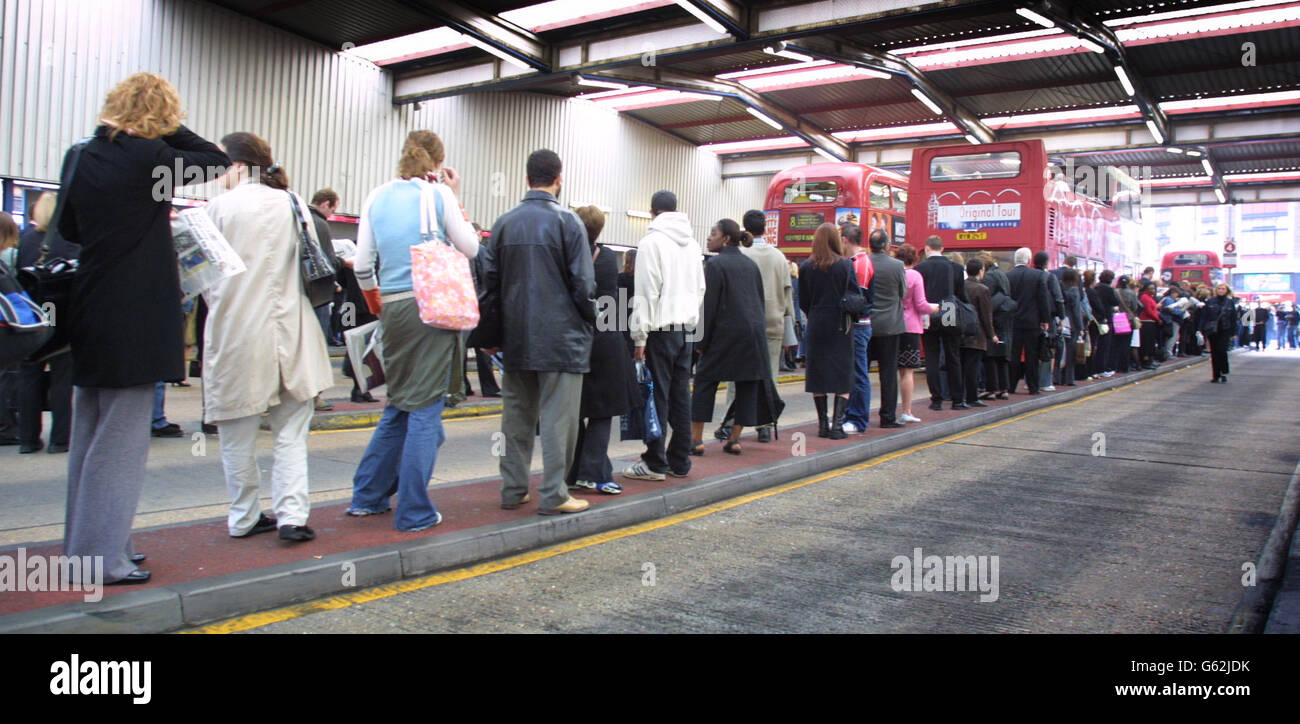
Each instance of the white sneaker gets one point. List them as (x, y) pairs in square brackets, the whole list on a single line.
[(908, 418), (1111, 373), (639, 471), (1049, 388), (850, 427)]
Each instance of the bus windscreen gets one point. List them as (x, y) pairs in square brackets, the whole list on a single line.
[(975, 166)]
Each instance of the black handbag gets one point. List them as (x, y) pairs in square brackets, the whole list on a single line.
[(49, 284), (317, 271), (1046, 346), (24, 326)]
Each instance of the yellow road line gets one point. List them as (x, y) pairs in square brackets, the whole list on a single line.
[(265, 618)]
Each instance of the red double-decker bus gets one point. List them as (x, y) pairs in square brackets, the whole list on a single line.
[(802, 198), (1002, 196), (1191, 267)]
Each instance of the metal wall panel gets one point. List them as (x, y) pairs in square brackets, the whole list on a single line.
[(328, 117)]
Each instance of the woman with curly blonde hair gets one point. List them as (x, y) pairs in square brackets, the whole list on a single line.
[(124, 315)]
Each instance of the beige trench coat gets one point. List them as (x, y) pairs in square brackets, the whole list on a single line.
[(263, 344)]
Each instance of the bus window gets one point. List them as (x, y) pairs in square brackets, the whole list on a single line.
[(1191, 260), (879, 196), (816, 192), (900, 200), (972, 166)]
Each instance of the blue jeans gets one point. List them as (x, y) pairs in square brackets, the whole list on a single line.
[(159, 417), (400, 459), (859, 411)]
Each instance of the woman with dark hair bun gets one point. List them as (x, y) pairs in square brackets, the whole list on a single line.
[(732, 343), (263, 350)]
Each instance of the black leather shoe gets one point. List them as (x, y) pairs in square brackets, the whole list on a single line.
[(891, 424), (296, 533), (172, 430), (138, 558), (765, 434), (960, 406), (362, 397), (209, 429), (132, 578), (27, 449), (978, 403), (55, 449), (936, 404), (264, 524)]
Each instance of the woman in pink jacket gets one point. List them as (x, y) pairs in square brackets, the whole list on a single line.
[(915, 310)]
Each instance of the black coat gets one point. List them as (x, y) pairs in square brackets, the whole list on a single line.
[(733, 336), (32, 239), (609, 389), (996, 281), (1219, 315), (1033, 300), (1073, 310), (538, 296), (125, 315), (943, 278), (979, 297), (828, 343)]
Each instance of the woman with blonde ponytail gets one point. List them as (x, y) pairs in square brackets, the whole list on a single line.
[(418, 359)]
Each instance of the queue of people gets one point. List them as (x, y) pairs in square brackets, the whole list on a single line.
[(539, 276)]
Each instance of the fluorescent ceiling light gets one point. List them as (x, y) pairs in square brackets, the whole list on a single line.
[(972, 139), (597, 83), (1090, 45), (765, 118), (825, 154), (1155, 131), (1030, 15), (1124, 80), (781, 51), (1209, 167), (819, 75), (1193, 153), (1173, 149), (488, 47), (1230, 7), (953, 44), (1219, 192), (702, 17), (639, 214), (921, 96)]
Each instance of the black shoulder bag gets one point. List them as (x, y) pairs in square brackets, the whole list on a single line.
[(317, 271)]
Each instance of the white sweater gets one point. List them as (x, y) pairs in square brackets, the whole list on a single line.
[(669, 278)]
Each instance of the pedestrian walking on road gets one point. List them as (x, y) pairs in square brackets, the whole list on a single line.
[(264, 348), (1219, 325)]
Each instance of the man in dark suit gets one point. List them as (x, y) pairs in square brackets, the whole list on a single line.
[(888, 287), (1033, 316), (943, 283)]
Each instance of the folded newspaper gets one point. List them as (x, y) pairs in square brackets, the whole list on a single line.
[(202, 253)]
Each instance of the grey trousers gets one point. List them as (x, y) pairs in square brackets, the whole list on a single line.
[(106, 469), (554, 399)]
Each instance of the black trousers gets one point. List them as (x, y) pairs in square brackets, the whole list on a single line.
[(1027, 341), (996, 376), (936, 343), (1219, 343), (971, 361), (1149, 337), (668, 355), (884, 350), (487, 381), (743, 410), (31, 399), (591, 456)]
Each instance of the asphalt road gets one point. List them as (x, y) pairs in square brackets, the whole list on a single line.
[(1131, 511)]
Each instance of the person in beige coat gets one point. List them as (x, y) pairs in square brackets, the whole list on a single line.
[(264, 351)]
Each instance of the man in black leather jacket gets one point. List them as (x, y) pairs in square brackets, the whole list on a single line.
[(538, 305)]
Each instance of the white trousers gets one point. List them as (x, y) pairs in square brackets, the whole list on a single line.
[(290, 421)]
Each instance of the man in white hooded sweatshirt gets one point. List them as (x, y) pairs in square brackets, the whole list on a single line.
[(665, 313)]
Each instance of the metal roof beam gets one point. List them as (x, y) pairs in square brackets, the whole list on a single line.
[(847, 53), (1090, 31), (489, 30), (730, 15), (677, 80)]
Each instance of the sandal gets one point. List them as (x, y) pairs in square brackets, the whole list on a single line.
[(697, 449), (732, 448)]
